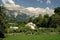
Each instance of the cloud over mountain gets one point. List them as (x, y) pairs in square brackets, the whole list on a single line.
[(8, 2), (42, 11), (31, 11)]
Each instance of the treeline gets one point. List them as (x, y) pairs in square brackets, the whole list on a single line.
[(48, 21)]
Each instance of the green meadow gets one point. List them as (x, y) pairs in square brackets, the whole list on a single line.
[(33, 37)]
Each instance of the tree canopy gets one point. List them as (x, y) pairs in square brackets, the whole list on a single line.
[(57, 10), (2, 21)]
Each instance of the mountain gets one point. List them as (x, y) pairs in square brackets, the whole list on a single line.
[(15, 10), (20, 12)]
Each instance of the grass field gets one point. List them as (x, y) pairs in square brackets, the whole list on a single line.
[(34, 37)]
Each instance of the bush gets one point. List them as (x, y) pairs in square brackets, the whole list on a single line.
[(2, 35)]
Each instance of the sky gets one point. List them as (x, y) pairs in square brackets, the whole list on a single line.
[(32, 6), (38, 3)]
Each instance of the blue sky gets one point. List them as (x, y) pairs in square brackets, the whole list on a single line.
[(38, 3)]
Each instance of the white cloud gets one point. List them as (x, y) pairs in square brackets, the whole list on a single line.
[(11, 1), (42, 11), (48, 1), (4, 1), (8, 2), (29, 10)]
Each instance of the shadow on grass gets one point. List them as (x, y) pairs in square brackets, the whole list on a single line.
[(1, 38)]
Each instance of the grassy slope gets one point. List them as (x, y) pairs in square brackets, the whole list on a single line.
[(34, 37)]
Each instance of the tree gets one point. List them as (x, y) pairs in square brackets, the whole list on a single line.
[(57, 10), (45, 21), (2, 21), (30, 19), (54, 20), (38, 20)]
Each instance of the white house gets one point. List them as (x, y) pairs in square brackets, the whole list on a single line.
[(31, 25), (13, 27)]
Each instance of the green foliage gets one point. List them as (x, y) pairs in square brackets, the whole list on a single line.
[(38, 20), (45, 21), (57, 10), (54, 21), (30, 19), (2, 21), (41, 21)]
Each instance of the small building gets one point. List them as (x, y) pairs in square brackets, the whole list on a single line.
[(13, 27), (31, 25)]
